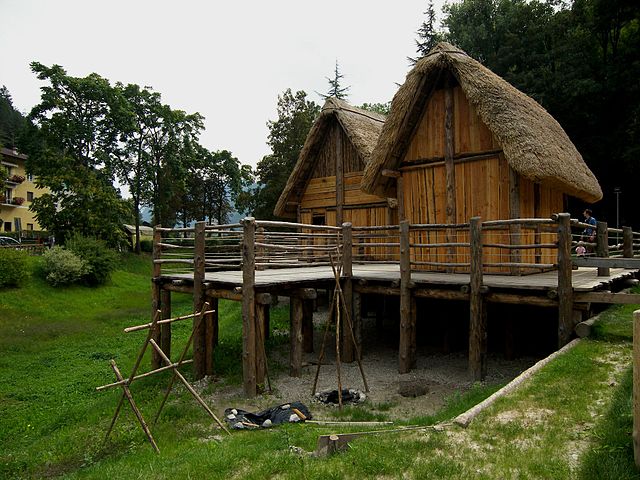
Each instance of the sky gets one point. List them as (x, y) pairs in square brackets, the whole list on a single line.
[(227, 60)]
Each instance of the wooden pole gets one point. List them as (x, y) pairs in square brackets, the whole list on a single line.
[(514, 212), (156, 289), (347, 290), (339, 175), (165, 328), (249, 307), (565, 287), (261, 357), (450, 177), (211, 334), (627, 242), (295, 336), (636, 387), (477, 308), (307, 325), (199, 336), (602, 247), (406, 328)]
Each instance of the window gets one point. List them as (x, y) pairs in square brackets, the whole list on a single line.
[(29, 196), (8, 195), (7, 226), (318, 219), (30, 226), (30, 177)]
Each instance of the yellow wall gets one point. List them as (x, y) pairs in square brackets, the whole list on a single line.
[(9, 212)]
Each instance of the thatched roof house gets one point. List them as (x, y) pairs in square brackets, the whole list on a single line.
[(533, 144), (326, 179)]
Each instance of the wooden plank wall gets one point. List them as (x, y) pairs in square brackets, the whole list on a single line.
[(481, 185)]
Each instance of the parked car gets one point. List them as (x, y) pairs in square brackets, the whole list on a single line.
[(9, 242)]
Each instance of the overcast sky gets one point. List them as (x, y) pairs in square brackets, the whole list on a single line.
[(227, 60)]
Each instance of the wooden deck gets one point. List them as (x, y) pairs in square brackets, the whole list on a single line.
[(583, 279)]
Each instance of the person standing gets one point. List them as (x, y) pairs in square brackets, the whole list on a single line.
[(589, 233)]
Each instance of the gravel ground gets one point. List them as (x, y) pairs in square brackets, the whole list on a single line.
[(435, 378)]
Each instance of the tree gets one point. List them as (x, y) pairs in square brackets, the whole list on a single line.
[(12, 122), (381, 108), (287, 135), (72, 135), (428, 36), (335, 88)]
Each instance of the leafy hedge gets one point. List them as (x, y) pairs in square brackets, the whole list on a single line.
[(62, 267), (100, 260), (13, 267)]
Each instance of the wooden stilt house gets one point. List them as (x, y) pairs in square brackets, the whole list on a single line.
[(461, 142), (324, 187)]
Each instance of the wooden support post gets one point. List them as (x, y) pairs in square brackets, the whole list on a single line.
[(356, 319), (156, 290), (627, 242), (565, 287), (477, 307), (260, 251), (406, 327), (307, 326), (339, 175), (165, 328), (449, 167), (249, 307), (211, 334), (400, 195), (514, 212), (348, 349), (261, 361), (636, 387), (199, 334), (295, 336), (602, 247)]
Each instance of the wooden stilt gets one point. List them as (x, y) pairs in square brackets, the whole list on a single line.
[(295, 336), (248, 307), (405, 348), (211, 333), (602, 247), (477, 310), (565, 287), (347, 289), (165, 328), (156, 288), (199, 296)]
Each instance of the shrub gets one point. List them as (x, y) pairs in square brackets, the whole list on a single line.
[(146, 245), (100, 260), (13, 267), (62, 267)]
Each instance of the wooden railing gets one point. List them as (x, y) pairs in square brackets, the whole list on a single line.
[(510, 247)]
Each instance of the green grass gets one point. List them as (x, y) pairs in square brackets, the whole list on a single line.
[(56, 344)]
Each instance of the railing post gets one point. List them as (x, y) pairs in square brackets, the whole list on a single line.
[(602, 247), (347, 290), (565, 287), (406, 318), (477, 310), (156, 291), (249, 306), (199, 333), (627, 242)]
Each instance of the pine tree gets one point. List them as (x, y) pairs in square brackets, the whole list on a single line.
[(335, 88), (428, 37)]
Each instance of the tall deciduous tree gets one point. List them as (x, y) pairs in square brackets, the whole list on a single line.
[(286, 137), (75, 135), (12, 122)]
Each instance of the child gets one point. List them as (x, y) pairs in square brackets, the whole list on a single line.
[(580, 250)]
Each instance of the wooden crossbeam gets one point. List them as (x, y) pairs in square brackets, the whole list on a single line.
[(607, 297), (630, 263)]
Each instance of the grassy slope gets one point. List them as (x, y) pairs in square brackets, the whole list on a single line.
[(52, 421)]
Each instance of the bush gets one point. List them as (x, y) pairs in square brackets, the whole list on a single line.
[(62, 267), (13, 267), (100, 260), (146, 245)]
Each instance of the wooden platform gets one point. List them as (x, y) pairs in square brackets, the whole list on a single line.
[(583, 279)]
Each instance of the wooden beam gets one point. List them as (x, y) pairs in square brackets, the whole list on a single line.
[(249, 307), (339, 175), (295, 336), (405, 348), (565, 287), (602, 247), (261, 360), (627, 242), (449, 167), (391, 173), (199, 333), (628, 263), (348, 349), (607, 297), (477, 308)]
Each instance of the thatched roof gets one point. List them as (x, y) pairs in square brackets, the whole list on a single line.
[(362, 127), (534, 144)]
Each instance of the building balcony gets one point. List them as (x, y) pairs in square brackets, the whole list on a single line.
[(14, 180)]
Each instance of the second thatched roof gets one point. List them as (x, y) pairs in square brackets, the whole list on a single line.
[(533, 142), (362, 127)]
